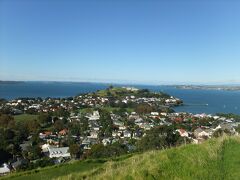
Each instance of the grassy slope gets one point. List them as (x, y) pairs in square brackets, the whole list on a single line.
[(56, 171), (214, 159)]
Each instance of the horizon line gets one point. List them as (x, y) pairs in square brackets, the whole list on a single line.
[(131, 83)]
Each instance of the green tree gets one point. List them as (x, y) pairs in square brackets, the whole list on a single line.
[(34, 152), (112, 150), (6, 121), (144, 108), (159, 138), (75, 150), (44, 118), (58, 125), (106, 123), (33, 126), (238, 129)]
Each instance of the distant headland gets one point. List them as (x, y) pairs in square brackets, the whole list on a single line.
[(11, 82), (210, 87)]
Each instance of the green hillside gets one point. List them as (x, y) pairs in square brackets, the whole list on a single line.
[(214, 159)]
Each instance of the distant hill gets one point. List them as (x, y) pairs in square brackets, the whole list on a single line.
[(214, 159), (210, 87), (11, 82)]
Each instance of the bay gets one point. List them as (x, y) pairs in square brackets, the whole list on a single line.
[(195, 101)]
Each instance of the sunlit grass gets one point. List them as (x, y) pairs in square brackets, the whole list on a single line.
[(25, 117), (214, 159)]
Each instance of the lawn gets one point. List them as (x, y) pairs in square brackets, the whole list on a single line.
[(57, 171), (25, 117)]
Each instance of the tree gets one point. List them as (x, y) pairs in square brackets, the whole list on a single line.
[(144, 108), (75, 150), (112, 150), (110, 87), (13, 149), (44, 118), (61, 113), (6, 121), (238, 129), (96, 151), (84, 125), (75, 128), (4, 155), (159, 138), (106, 123), (34, 152), (58, 125), (33, 126)]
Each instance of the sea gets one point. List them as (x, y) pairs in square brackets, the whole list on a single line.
[(195, 101)]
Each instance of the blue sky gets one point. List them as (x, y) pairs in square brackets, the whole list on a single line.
[(158, 42)]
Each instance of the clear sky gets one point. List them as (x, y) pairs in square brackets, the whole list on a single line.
[(161, 41)]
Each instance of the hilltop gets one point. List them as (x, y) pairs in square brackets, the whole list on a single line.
[(214, 159)]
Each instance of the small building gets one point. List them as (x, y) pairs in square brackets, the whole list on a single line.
[(59, 152), (127, 134), (106, 141), (95, 116), (154, 114), (93, 134), (182, 132), (63, 132), (4, 169), (200, 133)]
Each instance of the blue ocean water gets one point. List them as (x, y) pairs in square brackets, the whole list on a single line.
[(196, 101)]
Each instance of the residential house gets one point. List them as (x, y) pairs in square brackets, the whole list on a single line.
[(106, 141), (4, 169), (59, 152), (95, 116), (63, 132), (200, 133), (127, 134), (93, 134), (182, 132)]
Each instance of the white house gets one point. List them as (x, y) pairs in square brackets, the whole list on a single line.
[(5, 169), (154, 113), (164, 114), (93, 134), (127, 134), (182, 132), (122, 127), (199, 133), (59, 152), (95, 116), (106, 141)]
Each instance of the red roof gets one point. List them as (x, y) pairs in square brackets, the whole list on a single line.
[(63, 132)]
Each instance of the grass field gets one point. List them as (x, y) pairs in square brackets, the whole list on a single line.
[(215, 159), (56, 171), (25, 117)]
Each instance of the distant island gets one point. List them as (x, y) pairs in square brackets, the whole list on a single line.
[(209, 87), (11, 82)]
